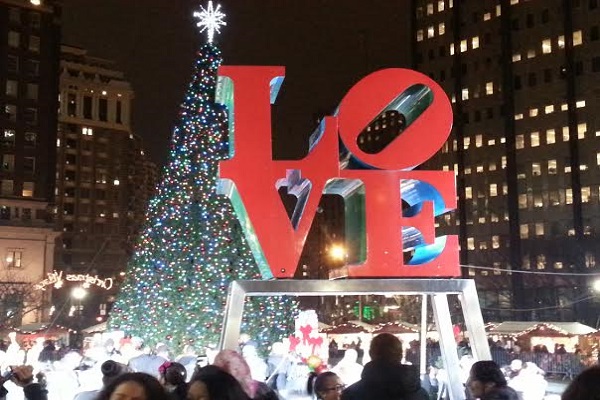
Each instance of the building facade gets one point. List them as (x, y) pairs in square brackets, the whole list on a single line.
[(525, 147), (103, 177), (29, 53)]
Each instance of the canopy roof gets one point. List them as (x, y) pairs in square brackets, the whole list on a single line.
[(345, 329), (543, 328), (396, 328)]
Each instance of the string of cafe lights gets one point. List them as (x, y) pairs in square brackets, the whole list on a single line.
[(517, 271)]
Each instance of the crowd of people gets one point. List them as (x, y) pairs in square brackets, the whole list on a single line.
[(131, 371)]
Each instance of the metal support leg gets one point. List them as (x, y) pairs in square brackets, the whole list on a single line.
[(474, 323), (232, 320), (441, 313), (423, 348)]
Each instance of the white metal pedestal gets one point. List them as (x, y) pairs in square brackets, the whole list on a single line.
[(436, 289)]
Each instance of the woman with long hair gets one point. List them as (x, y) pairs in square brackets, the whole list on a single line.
[(134, 385), (212, 383)]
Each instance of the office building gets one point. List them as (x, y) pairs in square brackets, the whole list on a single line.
[(29, 48), (522, 77), (102, 180)]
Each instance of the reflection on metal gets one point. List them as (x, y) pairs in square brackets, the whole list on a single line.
[(436, 289)]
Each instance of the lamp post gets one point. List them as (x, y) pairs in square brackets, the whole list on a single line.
[(77, 295)]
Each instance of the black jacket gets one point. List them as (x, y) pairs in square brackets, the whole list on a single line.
[(33, 391), (384, 381)]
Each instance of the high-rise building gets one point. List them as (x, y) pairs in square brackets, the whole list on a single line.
[(103, 177), (525, 146), (29, 54)]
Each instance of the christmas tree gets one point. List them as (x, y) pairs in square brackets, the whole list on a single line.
[(192, 245)]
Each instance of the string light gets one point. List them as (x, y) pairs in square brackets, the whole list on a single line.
[(192, 245)]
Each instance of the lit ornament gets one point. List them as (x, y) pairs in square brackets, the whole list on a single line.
[(211, 19)]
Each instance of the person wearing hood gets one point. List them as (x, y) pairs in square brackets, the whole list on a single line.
[(385, 377)]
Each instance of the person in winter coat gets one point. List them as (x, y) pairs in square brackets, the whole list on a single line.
[(385, 377), (487, 382)]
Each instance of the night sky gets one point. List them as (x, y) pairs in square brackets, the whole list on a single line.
[(325, 45)]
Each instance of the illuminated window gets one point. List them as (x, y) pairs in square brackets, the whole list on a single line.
[(539, 229), (598, 158), (580, 104), (569, 196), (87, 131), (536, 169), (14, 258), (451, 49), (516, 57), (498, 10), (482, 245), (567, 169), (520, 141), (492, 142), (533, 112), (492, 166), (495, 241), (581, 130), (493, 189), (565, 133), (586, 193), (577, 38), (535, 139), (554, 198), (28, 189), (564, 107), (441, 28), (467, 170), (546, 46), (475, 42), (531, 53), (466, 142), (487, 16), (470, 243), (430, 32), (479, 168), (558, 265), (463, 46), (429, 8), (469, 192), (561, 42), (552, 167), (478, 140), (503, 162), (513, 2), (549, 109), (518, 116), (540, 261), (550, 136), (583, 167), (522, 201), (538, 202), (465, 94), (441, 5), (524, 231), (419, 35), (489, 88)]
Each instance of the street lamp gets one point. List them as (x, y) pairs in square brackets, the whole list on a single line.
[(338, 252), (78, 294), (596, 285)]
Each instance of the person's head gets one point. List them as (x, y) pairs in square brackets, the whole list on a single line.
[(212, 383), (328, 386), (234, 364), (111, 370), (485, 376), (387, 348), (585, 386), (172, 373), (133, 385)]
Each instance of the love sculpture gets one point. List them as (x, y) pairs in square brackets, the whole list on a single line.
[(253, 177)]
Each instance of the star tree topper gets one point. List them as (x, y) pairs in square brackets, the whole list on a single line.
[(211, 19)]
